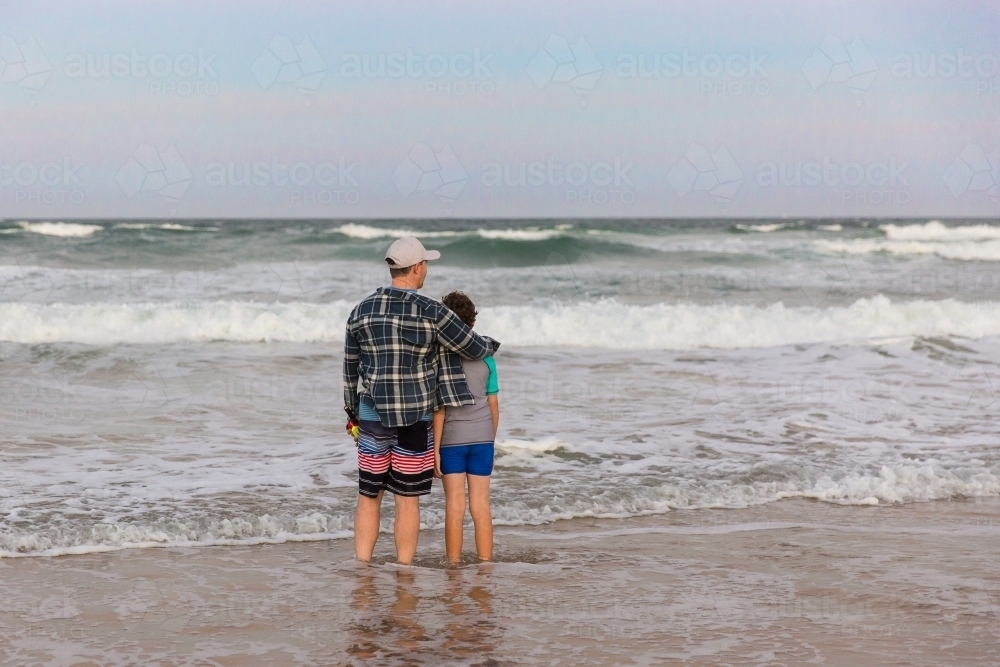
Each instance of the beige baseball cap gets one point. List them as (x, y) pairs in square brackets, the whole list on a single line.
[(408, 251)]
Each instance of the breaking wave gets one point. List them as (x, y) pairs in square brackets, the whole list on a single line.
[(368, 232), (890, 484), (63, 229), (935, 231), (982, 251), (601, 324), (964, 243)]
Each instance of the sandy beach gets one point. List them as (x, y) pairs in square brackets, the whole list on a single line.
[(790, 583)]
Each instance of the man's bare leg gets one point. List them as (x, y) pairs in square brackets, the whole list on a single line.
[(407, 528), (366, 523), (479, 506)]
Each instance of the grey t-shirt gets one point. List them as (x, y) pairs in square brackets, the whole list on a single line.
[(472, 424)]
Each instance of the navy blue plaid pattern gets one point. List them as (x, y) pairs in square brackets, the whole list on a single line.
[(392, 352)]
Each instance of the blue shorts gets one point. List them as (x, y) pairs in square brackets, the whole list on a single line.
[(469, 459)]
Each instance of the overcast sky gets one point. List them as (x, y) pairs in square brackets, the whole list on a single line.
[(617, 109)]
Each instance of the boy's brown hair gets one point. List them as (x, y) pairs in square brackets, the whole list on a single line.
[(462, 306)]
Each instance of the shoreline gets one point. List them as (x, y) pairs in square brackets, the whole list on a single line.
[(783, 583), (683, 515)]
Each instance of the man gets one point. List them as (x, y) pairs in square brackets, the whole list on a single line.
[(392, 382)]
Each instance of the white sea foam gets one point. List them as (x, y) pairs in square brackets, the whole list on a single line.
[(543, 445), (773, 227), (109, 323), (522, 234), (169, 226), (982, 250), (608, 324), (965, 243), (185, 228), (33, 544), (831, 228), (683, 242), (64, 229), (903, 484), (895, 484), (367, 232), (891, 485), (602, 324), (261, 530), (935, 231)]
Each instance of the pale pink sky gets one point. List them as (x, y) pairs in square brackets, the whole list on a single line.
[(833, 85)]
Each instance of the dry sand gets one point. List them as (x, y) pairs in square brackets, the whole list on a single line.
[(790, 583)]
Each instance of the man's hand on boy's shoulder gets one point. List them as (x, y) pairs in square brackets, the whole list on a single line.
[(493, 343)]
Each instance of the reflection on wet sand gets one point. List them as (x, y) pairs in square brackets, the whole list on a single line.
[(790, 583), (471, 629), (363, 634), (409, 616)]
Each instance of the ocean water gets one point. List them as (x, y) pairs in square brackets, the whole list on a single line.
[(179, 383)]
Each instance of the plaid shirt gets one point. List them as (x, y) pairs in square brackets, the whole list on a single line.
[(393, 354)]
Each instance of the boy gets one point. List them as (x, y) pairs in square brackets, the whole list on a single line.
[(463, 446)]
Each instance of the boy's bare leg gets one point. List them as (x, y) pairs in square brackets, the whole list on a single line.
[(479, 505), (454, 514), (366, 523), (407, 528)]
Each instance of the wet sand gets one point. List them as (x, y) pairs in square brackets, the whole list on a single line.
[(790, 583)]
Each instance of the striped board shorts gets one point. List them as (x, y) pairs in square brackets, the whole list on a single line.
[(404, 468)]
